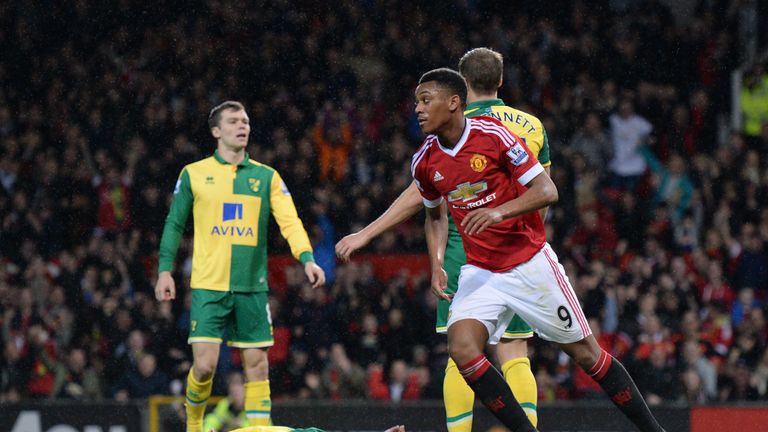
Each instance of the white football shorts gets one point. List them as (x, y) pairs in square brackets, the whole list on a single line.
[(537, 290)]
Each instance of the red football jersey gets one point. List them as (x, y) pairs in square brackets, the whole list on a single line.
[(486, 168)]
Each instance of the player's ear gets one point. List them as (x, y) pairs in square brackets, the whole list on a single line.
[(454, 103), (216, 132), (501, 82)]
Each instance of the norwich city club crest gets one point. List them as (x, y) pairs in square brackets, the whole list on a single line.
[(254, 184), (478, 162)]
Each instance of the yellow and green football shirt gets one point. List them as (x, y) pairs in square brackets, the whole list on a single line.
[(522, 124), (231, 205)]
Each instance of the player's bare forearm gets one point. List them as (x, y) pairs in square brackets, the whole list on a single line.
[(405, 206), (543, 210), (541, 193), (436, 230)]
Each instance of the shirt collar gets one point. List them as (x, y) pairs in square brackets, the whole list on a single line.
[(221, 160), (484, 103), (464, 135)]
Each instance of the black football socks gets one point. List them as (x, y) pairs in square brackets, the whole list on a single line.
[(495, 394)]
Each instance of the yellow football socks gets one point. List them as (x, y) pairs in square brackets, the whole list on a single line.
[(459, 400), (258, 406), (197, 398), (517, 373)]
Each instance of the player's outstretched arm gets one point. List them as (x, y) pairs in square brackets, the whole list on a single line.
[(541, 192), (405, 206), (436, 229)]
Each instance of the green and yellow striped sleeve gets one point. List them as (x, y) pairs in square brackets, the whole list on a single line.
[(288, 220), (543, 157), (175, 222)]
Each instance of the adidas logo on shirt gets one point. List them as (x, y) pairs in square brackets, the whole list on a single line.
[(437, 177)]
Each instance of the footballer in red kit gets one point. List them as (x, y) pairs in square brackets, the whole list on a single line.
[(488, 167), (477, 172), (493, 186)]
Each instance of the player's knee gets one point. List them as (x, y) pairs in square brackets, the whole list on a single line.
[(257, 369), (586, 360), (466, 340), (463, 352), (512, 349), (204, 370), (584, 354), (257, 373)]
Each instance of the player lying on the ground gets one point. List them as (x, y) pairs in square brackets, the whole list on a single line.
[(398, 428)]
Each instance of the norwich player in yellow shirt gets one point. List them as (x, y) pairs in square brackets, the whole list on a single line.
[(231, 197), (482, 69)]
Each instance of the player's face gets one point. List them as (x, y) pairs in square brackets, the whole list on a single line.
[(234, 129), (433, 107)]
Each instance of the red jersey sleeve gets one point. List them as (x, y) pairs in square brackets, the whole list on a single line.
[(519, 159), (431, 196)]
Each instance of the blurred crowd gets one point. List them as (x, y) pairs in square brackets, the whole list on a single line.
[(661, 224)]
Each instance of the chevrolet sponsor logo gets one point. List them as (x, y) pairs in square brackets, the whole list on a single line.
[(474, 204), (467, 191)]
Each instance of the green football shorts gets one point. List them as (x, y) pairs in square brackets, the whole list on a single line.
[(454, 259), (243, 317)]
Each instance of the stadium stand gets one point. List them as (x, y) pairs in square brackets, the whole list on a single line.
[(102, 103)]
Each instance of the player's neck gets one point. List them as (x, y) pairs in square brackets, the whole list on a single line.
[(231, 155), (452, 134), (473, 97)]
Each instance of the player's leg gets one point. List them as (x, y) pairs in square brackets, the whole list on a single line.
[(199, 382), (512, 352), (615, 381), (557, 316), (258, 404), (252, 333), (207, 314), (458, 397), (459, 400), (479, 314)]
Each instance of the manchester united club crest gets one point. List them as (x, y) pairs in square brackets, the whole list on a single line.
[(478, 162), (254, 184)]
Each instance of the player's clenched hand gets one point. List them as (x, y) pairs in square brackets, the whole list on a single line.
[(315, 274), (165, 288), (478, 220), (398, 428), (440, 283), (350, 244)]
